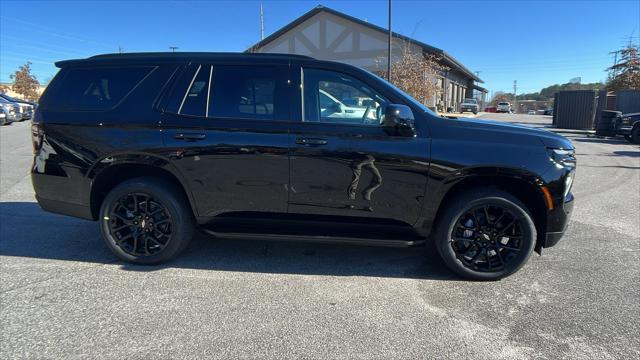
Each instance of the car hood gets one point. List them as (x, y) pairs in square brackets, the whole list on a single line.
[(548, 138)]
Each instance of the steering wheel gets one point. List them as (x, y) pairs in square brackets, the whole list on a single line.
[(365, 116)]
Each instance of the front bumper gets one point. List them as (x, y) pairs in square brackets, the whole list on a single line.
[(624, 130), (558, 221)]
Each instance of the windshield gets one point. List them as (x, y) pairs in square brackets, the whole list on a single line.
[(470, 101), (503, 104), (408, 97)]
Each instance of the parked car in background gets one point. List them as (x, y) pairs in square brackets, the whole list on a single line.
[(10, 111), (503, 107), (548, 112), (628, 125), (236, 145), (26, 107), (469, 105), (531, 112)]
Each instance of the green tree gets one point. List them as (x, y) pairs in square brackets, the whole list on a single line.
[(625, 74), (24, 83)]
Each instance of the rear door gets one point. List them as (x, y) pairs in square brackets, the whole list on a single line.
[(226, 129)]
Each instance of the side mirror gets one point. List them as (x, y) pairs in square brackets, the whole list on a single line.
[(399, 120)]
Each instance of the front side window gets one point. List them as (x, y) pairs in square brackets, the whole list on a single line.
[(333, 97)]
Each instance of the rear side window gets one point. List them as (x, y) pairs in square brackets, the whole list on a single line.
[(248, 92), (232, 92), (96, 88)]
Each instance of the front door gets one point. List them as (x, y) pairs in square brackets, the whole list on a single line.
[(226, 129), (343, 162)]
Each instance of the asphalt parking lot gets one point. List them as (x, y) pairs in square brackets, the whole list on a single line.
[(63, 295)]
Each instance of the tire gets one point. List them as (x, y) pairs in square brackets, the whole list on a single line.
[(475, 113), (635, 134), (129, 230), (499, 258)]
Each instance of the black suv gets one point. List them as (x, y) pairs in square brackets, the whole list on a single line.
[(273, 146)]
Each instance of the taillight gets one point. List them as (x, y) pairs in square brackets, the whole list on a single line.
[(37, 133)]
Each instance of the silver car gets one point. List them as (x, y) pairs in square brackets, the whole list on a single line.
[(25, 109), (10, 111)]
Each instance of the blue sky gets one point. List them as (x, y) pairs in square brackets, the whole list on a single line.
[(538, 43)]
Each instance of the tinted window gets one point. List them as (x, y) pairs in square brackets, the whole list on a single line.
[(337, 98), (194, 101), (97, 88), (248, 92)]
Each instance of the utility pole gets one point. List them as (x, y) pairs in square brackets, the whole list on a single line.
[(261, 23), (173, 48), (515, 89), (389, 47), (120, 49)]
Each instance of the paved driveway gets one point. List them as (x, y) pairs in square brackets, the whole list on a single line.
[(64, 296)]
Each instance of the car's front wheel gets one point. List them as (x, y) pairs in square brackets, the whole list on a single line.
[(146, 221), (485, 234)]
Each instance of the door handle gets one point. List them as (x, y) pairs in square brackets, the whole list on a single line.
[(190, 136), (311, 141)]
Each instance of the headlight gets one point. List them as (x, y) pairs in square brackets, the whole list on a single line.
[(568, 182)]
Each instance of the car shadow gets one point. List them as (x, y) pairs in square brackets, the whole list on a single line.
[(28, 231)]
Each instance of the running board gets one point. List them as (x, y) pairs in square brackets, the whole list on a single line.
[(316, 239)]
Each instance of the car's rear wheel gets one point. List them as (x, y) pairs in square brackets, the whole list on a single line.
[(146, 221), (635, 134), (485, 234)]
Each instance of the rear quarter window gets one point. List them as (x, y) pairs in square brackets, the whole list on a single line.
[(95, 88)]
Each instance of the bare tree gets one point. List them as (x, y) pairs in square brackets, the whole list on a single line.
[(24, 83), (625, 74), (417, 74)]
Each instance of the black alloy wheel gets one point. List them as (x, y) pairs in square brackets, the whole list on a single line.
[(140, 224), (485, 234), (486, 238), (146, 220)]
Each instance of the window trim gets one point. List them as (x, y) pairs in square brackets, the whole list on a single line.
[(189, 89), (206, 113)]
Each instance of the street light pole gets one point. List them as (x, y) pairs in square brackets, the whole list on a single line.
[(515, 94), (389, 47)]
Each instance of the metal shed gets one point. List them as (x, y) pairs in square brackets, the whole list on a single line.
[(575, 109)]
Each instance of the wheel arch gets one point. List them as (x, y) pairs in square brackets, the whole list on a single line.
[(113, 170), (525, 187)]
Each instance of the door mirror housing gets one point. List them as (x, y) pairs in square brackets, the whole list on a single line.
[(399, 120)]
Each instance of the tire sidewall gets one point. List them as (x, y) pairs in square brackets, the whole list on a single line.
[(445, 229), (635, 134), (182, 227)]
